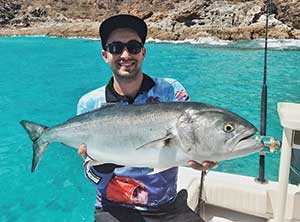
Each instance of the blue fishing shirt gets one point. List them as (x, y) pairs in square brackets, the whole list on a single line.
[(139, 188)]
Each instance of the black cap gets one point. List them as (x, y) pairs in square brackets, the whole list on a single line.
[(122, 21)]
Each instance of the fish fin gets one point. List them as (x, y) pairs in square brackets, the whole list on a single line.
[(38, 151), (159, 143), (35, 131)]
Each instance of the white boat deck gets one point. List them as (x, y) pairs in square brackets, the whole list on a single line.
[(236, 198), (217, 214)]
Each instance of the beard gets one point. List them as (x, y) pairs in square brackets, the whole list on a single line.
[(126, 75), (126, 69)]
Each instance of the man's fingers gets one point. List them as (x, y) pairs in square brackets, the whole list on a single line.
[(209, 164), (82, 150), (205, 165)]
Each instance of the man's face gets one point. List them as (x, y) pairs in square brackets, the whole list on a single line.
[(125, 64)]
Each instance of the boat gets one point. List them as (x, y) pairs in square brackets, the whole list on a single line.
[(234, 198)]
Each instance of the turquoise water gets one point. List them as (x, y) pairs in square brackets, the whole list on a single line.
[(41, 79)]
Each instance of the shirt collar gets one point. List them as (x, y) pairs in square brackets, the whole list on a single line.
[(112, 96)]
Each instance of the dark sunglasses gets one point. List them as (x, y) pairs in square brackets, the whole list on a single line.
[(133, 47)]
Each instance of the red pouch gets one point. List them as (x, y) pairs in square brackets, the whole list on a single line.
[(126, 190)]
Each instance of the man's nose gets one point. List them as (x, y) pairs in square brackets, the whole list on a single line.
[(125, 53)]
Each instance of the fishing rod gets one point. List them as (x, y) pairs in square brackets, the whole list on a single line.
[(264, 93)]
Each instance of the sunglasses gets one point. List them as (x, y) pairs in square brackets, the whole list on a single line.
[(133, 47)]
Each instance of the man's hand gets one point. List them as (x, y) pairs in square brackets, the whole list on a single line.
[(205, 165), (82, 150)]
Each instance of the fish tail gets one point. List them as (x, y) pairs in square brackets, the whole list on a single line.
[(35, 131)]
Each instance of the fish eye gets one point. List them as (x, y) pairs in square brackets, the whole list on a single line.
[(228, 128)]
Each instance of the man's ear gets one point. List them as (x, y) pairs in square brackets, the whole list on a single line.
[(144, 51), (104, 56)]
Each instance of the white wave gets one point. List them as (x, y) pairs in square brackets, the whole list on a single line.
[(272, 43), (206, 40), (53, 37), (80, 37), (212, 41), (75, 37), (281, 43), (277, 44), (27, 36), (163, 41)]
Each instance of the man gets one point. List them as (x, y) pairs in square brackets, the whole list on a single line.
[(126, 193)]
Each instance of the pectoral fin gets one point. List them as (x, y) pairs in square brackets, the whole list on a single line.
[(159, 143)]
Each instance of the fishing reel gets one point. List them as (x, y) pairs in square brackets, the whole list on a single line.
[(270, 144)]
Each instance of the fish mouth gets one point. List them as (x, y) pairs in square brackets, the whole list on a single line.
[(247, 137), (247, 140)]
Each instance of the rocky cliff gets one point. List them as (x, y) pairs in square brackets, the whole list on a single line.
[(166, 19)]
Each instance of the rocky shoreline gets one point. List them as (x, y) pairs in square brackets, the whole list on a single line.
[(167, 20)]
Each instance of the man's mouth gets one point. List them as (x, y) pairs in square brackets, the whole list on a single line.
[(126, 64)]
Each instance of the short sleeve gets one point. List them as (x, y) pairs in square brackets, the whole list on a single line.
[(180, 93), (81, 107)]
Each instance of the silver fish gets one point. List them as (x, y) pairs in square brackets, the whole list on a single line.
[(158, 135)]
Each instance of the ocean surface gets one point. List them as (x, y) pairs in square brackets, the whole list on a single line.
[(42, 79)]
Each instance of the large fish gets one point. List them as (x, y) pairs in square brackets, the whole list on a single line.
[(151, 135)]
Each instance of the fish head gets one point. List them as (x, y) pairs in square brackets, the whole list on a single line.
[(216, 134)]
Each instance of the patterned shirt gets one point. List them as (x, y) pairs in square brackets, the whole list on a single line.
[(139, 188)]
